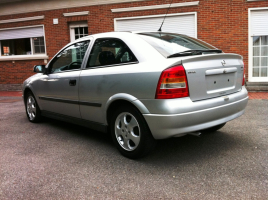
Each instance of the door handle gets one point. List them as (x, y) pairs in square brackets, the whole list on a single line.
[(72, 82)]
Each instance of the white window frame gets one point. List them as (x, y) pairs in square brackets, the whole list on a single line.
[(25, 57), (153, 16), (74, 25), (250, 49)]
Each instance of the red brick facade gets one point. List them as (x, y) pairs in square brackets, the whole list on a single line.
[(223, 24)]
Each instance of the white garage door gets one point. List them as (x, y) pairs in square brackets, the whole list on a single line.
[(176, 23), (258, 59)]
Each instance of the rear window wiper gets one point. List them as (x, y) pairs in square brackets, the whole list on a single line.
[(194, 52)]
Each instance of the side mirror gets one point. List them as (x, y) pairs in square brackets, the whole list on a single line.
[(39, 68)]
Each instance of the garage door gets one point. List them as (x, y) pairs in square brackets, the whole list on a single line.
[(176, 23)]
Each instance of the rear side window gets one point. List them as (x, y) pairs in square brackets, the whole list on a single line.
[(110, 51)]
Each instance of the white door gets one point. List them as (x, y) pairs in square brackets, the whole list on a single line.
[(183, 23), (258, 45)]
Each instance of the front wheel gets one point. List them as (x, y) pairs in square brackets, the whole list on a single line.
[(131, 133), (32, 109)]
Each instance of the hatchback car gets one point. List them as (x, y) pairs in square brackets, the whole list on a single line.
[(140, 87)]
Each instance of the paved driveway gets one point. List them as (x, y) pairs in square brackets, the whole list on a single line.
[(56, 160)]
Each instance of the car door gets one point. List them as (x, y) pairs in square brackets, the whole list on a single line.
[(58, 90), (107, 57)]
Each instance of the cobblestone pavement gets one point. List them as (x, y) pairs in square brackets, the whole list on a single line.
[(258, 95)]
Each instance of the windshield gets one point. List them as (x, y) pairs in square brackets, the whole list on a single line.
[(171, 43)]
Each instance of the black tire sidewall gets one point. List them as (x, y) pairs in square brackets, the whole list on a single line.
[(38, 112), (147, 141)]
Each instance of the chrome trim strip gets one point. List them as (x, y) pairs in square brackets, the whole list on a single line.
[(59, 100), (221, 71), (70, 101), (114, 65), (82, 103)]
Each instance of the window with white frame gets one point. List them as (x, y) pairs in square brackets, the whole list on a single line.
[(258, 44), (39, 45), (260, 56), (78, 30), (22, 41)]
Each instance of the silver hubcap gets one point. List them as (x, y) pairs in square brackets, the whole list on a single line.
[(127, 131), (31, 108)]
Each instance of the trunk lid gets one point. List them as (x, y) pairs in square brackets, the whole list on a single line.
[(213, 75)]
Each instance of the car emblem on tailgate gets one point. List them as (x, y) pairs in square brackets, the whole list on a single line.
[(223, 62), (191, 72)]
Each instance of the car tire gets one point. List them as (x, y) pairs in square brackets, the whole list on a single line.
[(32, 109), (213, 129), (130, 133)]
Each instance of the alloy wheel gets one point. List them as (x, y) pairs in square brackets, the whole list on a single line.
[(31, 108), (127, 131)]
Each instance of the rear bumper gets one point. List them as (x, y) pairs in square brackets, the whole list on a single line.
[(175, 125)]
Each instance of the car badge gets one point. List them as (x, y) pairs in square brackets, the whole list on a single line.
[(223, 62), (224, 71), (191, 72)]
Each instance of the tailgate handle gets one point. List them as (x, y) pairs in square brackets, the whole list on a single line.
[(221, 71)]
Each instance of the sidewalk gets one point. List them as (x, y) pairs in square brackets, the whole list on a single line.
[(10, 93), (252, 95), (258, 95)]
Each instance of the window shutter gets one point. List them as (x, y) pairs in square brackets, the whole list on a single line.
[(183, 24), (21, 33), (259, 23)]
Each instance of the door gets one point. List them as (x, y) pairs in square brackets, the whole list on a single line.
[(59, 89), (97, 81)]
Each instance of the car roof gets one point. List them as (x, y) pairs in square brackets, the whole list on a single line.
[(106, 34), (119, 34)]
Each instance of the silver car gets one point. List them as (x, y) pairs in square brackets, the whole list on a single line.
[(140, 87)]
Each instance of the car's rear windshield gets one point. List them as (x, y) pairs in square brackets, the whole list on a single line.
[(170, 43)]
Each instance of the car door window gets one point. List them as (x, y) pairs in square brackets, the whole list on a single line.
[(110, 51), (70, 58)]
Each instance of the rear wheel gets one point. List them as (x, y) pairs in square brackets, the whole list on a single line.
[(213, 129), (131, 133), (32, 109)]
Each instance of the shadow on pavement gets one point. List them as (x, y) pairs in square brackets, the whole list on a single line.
[(180, 151)]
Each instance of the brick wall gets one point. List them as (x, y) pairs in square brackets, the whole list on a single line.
[(223, 24), (13, 73)]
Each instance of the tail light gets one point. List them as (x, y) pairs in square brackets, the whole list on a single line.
[(244, 76), (172, 84)]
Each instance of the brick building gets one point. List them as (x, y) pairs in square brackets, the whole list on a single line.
[(31, 32)]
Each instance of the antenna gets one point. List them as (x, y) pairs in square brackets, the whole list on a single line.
[(165, 16)]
